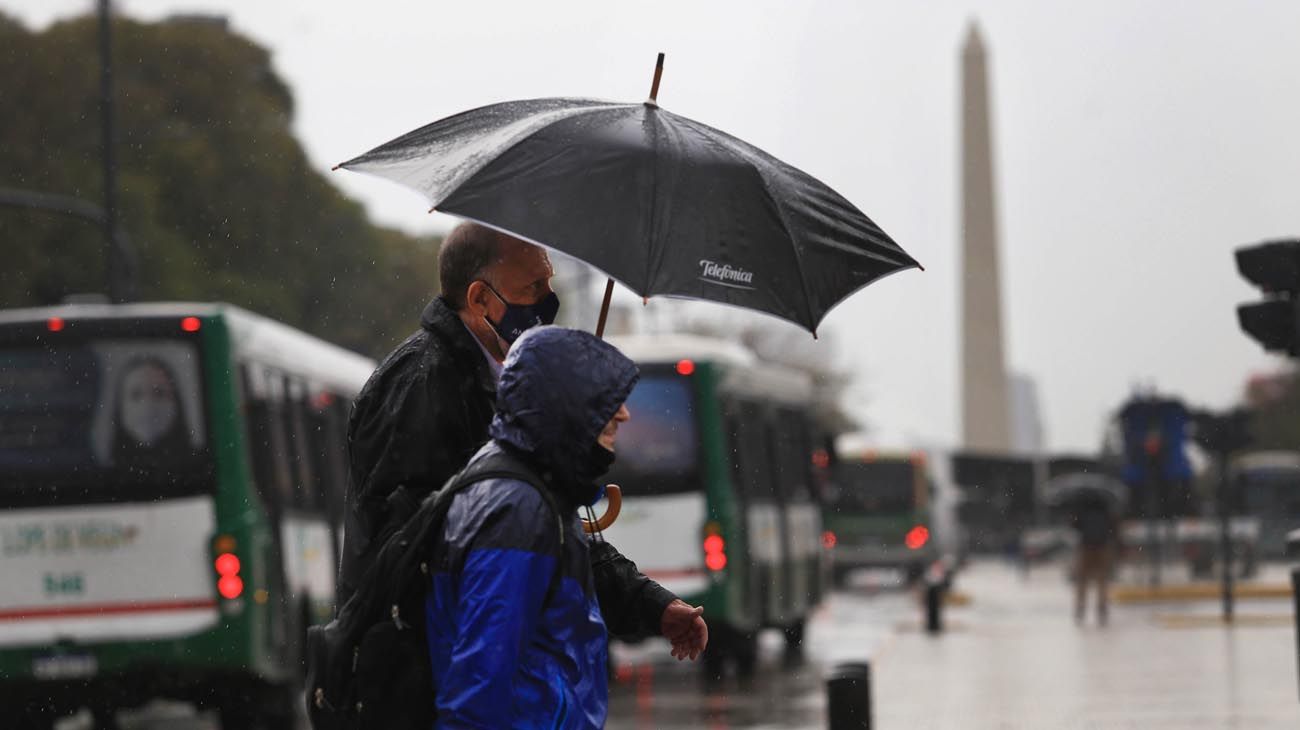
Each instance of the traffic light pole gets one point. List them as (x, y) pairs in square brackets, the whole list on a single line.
[(1155, 523), (1225, 535), (119, 274)]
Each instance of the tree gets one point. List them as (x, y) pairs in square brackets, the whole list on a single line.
[(217, 195)]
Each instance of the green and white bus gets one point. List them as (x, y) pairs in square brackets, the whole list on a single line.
[(878, 511), (171, 476), (716, 472), (1267, 488)]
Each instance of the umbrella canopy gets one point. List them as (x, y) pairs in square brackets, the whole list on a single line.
[(1072, 489), (665, 205)]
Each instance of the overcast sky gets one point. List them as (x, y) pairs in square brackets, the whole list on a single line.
[(1135, 144)]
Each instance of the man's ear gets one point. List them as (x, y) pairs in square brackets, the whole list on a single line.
[(476, 295)]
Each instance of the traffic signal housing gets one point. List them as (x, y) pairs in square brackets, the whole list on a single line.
[(1274, 267), (1156, 468)]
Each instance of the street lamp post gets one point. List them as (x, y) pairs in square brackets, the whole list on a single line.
[(118, 273)]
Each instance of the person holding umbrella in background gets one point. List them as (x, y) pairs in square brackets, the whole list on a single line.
[(1092, 504)]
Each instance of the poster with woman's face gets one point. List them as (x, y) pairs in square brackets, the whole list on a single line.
[(152, 410), (113, 403), (148, 404)]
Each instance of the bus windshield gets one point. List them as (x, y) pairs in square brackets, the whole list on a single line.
[(1271, 492), (882, 486), (102, 416), (658, 450)]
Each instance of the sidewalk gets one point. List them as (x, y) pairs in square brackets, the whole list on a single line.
[(1014, 659)]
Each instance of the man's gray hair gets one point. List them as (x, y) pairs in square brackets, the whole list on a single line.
[(466, 254)]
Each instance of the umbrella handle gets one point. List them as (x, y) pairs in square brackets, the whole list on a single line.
[(615, 497)]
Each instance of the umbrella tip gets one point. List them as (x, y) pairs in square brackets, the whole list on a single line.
[(433, 209), (815, 334), (332, 169)]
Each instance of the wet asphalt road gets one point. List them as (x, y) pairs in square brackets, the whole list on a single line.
[(652, 690)]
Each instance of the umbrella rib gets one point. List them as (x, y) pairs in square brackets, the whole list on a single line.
[(651, 252), (798, 261)]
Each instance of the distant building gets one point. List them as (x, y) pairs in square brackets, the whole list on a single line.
[(1027, 438), (1264, 389)]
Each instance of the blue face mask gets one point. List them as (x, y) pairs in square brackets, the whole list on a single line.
[(522, 317)]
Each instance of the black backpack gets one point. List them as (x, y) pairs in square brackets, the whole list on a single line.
[(369, 669)]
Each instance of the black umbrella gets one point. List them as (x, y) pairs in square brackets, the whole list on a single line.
[(665, 205), (1071, 491)]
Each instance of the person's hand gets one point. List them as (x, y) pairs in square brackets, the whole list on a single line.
[(683, 625)]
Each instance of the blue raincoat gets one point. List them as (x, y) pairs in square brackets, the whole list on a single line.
[(508, 649)]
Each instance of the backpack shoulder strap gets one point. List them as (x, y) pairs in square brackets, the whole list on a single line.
[(503, 465)]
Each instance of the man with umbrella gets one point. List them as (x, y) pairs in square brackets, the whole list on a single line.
[(427, 407), (664, 204)]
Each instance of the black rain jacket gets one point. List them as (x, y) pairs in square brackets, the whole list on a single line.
[(420, 417)]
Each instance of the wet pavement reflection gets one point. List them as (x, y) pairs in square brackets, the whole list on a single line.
[(651, 690)]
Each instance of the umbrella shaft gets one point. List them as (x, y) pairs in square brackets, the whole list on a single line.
[(604, 308)]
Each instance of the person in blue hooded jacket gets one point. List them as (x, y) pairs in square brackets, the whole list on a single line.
[(508, 648)]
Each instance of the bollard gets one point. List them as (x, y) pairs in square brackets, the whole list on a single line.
[(848, 697), (933, 607), (1295, 597), (1293, 552)]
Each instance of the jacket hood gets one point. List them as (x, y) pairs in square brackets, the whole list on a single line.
[(558, 389)]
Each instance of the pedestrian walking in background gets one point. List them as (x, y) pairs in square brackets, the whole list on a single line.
[(1097, 526)]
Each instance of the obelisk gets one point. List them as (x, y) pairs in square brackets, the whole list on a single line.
[(986, 424)]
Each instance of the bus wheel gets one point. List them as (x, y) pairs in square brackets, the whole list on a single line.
[(794, 643), (269, 707), (32, 720), (713, 665), (235, 716), (745, 652), (913, 573), (727, 644)]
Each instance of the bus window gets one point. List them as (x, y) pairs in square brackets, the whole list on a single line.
[(327, 434), (751, 458), (268, 442), (1271, 492), (792, 455), (105, 419), (658, 449), (306, 492), (885, 486)]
